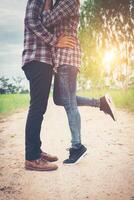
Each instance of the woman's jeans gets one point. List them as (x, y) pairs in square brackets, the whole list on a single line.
[(65, 95)]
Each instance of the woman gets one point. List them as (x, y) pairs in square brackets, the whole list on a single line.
[(64, 18)]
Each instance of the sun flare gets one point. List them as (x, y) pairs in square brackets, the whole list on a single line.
[(109, 56)]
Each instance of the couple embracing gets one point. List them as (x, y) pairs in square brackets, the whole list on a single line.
[(51, 48)]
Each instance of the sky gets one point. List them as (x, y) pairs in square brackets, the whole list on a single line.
[(11, 37)]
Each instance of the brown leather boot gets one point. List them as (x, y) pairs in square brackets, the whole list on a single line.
[(48, 157), (40, 165)]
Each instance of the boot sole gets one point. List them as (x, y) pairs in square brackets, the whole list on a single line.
[(111, 106), (39, 169)]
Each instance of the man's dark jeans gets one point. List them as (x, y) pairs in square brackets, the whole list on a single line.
[(40, 78)]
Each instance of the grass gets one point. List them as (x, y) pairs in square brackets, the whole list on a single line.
[(122, 99), (10, 103)]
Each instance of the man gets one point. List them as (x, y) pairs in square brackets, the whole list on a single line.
[(37, 65)]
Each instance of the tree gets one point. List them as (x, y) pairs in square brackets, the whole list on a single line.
[(18, 83), (4, 83), (106, 24), (8, 87)]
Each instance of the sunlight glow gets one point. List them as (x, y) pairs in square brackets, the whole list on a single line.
[(109, 56), (107, 68)]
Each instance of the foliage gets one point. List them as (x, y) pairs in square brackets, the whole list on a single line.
[(7, 87), (105, 25)]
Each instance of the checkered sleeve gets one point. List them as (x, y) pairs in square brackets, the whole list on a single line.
[(33, 22), (62, 11)]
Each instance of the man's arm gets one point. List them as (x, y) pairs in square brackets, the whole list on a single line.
[(63, 10), (33, 22)]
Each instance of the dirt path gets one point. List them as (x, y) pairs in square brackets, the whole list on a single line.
[(106, 173)]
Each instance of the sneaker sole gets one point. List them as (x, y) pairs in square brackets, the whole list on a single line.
[(83, 155), (111, 106)]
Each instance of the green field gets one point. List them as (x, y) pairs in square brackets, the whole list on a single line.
[(122, 99), (10, 103)]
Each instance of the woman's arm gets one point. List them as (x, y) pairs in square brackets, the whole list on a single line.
[(63, 10), (34, 23)]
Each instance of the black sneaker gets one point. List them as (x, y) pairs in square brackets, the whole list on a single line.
[(75, 155), (107, 106)]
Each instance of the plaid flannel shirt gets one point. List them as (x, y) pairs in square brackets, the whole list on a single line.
[(37, 39), (64, 18)]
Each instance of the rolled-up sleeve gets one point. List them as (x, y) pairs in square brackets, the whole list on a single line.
[(34, 23)]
